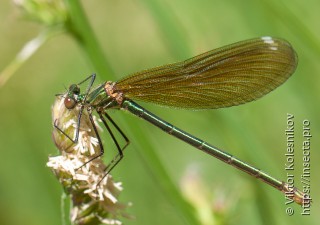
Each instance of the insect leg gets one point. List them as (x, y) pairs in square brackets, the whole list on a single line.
[(55, 124), (97, 136)]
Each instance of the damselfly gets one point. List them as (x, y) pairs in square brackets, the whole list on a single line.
[(228, 76)]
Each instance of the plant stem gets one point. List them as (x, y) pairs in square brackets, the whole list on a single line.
[(83, 33), (27, 51), (65, 209)]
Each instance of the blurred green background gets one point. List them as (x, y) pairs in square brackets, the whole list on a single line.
[(140, 34)]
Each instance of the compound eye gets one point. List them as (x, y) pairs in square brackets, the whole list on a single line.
[(69, 103), (74, 89)]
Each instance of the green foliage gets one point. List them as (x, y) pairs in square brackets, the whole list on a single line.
[(117, 38)]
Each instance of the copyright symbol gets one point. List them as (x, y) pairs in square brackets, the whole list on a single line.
[(289, 211)]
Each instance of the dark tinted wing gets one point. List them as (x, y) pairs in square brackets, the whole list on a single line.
[(227, 76)]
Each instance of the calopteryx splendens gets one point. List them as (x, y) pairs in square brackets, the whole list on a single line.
[(224, 77)]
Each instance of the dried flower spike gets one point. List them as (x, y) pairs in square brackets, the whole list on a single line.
[(92, 203)]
